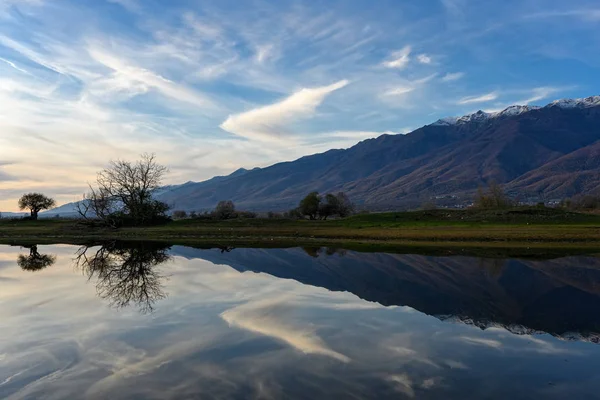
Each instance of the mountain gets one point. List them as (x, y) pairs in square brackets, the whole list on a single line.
[(522, 296), (536, 152), (12, 214)]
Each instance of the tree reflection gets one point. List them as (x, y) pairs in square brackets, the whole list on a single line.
[(126, 273), (315, 252), (493, 267), (35, 261)]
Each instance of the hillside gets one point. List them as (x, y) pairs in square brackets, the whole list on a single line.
[(550, 152)]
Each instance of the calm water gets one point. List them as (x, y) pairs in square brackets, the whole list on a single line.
[(122, 322)]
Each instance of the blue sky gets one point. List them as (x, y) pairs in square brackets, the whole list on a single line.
[(212, 86)]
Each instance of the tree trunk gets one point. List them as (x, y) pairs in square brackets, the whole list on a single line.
[(34, 215)]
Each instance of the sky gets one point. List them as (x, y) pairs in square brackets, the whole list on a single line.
[(215, 85)]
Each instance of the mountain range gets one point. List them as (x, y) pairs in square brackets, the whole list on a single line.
[(536, 153), (542, 153)]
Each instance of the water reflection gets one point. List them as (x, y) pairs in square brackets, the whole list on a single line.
[(560, 296), (522, 296), (282, 323), (125, 273), (35, 261)]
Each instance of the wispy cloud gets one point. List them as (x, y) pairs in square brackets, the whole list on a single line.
[(130, 5), (135, 79), (398, 91), (263, 53), (424, 59), (13, 65), (452, 76), (484, 98), (541, 93), (587, 14), (399, 59), (273, 121)]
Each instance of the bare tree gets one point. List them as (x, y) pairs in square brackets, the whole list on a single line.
[(180, 214), (495, 198), (124, 192), (35, 202)]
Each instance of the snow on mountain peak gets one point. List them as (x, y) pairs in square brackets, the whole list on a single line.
[(587, 102), (516, 110), (480, 116)]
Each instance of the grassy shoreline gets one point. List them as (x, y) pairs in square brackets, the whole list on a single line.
[(512, 232)]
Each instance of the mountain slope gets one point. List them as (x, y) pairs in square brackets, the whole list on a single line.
[(576, 172), (533, 150)]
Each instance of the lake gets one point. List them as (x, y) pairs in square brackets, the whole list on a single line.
[(150, 321)]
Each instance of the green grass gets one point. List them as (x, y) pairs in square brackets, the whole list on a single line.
[(522, 230)]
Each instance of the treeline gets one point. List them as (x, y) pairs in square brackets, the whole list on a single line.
[(586, 202), (224, 210), (494, 198), (312, 207)]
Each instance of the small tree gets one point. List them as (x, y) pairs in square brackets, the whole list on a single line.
[(179, 214), (338, 204), (225, 209), (495, 198), (309, 206), (345, 206), (35, 202), (330, 206)]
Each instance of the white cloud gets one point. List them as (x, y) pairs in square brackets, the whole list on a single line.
[(13, 65), (139, 79), (263, 53), (424, 59), (538, 94), (531, 96), (398, 91), (32, 55), (452, 76), (130, 5), (360, 135), (479, 99), (399, 59), (591, 15), (272, 121)]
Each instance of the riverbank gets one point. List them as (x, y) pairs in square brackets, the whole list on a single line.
[(521, 231)]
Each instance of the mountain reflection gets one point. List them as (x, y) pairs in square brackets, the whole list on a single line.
[(125, 273), (559, 296), (35, 261)]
